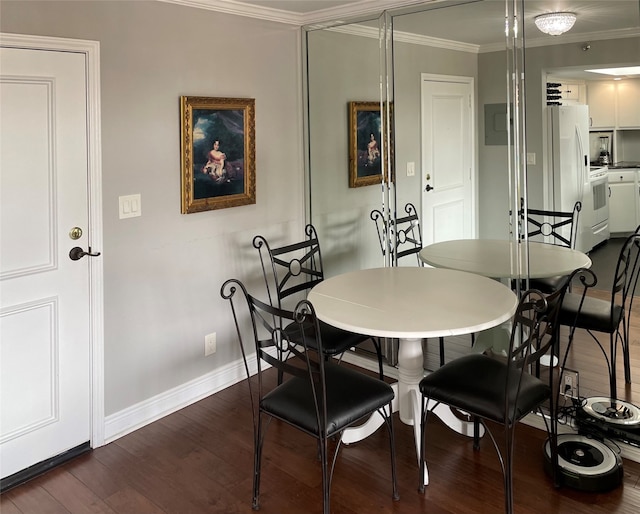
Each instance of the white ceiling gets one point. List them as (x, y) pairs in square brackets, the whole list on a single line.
[(474, 23)]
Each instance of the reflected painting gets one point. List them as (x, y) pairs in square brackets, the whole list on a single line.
[(365, 136)]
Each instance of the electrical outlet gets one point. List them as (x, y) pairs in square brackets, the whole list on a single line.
[(570, 383), (209, 344)]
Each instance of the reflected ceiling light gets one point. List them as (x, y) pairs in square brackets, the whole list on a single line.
[(555, 23), (627, 70)]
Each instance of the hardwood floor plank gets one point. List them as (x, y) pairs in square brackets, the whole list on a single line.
[(32, 498), (200, 460), (75, 496), (8, 507)]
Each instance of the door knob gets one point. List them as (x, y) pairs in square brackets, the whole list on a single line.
[(77, 253), (75, 233), (428, 188)]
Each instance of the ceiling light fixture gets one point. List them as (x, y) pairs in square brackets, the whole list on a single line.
[(555, 23)]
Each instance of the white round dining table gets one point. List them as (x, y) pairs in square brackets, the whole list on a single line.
[(412, 303), (496, 258)]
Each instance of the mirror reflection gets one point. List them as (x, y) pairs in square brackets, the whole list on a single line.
[(450, 158)]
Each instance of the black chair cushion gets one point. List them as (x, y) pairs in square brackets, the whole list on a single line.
[(595, 314), (292, 400), (476, 384), (334, 340), (548, 285)]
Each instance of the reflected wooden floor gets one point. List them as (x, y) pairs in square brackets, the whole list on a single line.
[(585, 357)]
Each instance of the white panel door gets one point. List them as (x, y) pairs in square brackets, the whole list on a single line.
[(45, 309), (447, 160)]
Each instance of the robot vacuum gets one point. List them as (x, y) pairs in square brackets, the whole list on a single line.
[(585, 463), (614, 412)]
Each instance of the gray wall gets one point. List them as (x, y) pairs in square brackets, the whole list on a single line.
[(163, 271)]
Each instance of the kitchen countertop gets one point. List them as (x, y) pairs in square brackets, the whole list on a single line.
[(624, 164)]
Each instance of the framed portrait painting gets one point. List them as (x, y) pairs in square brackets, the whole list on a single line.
[(217, 151), (366, 156)]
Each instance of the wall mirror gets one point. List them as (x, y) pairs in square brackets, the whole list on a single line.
[(402, 58), (445, 89)]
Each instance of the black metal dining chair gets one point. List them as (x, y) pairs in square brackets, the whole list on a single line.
[(296, 268), (318, 397), (553, 227), (611, 316), (502, 389), (404, 238)]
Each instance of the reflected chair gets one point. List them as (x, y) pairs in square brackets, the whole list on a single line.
[(501, 389), (297, 268), (318, 397), (610, 316), (554, 227), (404, 239)]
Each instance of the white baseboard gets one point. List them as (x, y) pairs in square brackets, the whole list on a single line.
[(143, 413)]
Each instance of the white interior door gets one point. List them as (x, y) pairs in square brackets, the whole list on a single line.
[(45, 366), (448, 164)]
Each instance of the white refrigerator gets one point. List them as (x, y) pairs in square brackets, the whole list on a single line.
[(569, 143)]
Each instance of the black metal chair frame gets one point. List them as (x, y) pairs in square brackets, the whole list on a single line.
[(297, 268), (545, 223), (403, 240), (622, 295), (540, 219), (317, 397), (535, 332)]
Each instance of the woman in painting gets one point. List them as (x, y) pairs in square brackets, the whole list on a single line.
[(372, 150), (215, 163)]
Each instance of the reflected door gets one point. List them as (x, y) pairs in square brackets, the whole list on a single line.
[(447, 159)]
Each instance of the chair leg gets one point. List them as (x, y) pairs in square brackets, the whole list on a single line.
[(257, 459), (378, 347), (421, 459), (394, 474), (625, 352), (326, 500), (612, 371), (442, 351), (476, 433), (508, 470)]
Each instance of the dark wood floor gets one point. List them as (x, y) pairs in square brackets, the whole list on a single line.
[(199, 460)]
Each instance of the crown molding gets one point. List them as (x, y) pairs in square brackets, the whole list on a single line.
[(354, 9), (332, 16), (406, 37)]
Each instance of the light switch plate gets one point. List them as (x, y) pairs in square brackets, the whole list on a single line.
[(411, 169), (130, 206)]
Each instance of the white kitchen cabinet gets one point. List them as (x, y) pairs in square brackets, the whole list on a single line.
[(573, 93), (624, 201), (628, 92), (601, 98)]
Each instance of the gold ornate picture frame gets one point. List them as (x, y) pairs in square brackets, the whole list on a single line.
[(367, 159), (217, 153)]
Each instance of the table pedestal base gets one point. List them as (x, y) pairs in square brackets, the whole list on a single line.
[(407, 401)]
